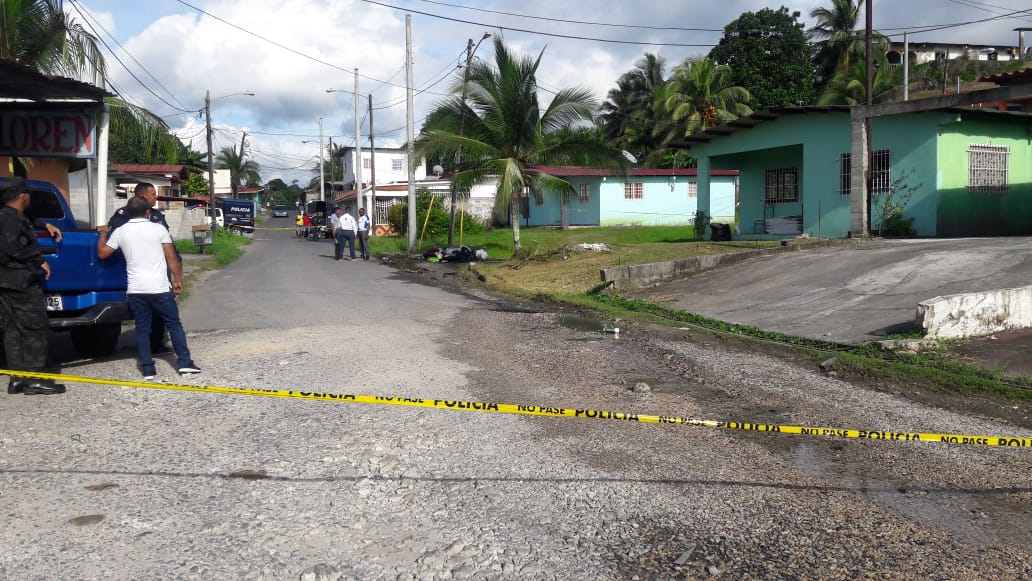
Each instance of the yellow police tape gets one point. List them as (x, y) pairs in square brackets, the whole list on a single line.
[(531, 410)]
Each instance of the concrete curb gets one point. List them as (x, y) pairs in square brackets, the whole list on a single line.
[(623, 278)]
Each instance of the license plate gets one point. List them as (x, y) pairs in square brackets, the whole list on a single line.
[(53, 303)]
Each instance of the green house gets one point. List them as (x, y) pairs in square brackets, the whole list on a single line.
[(953, 171)]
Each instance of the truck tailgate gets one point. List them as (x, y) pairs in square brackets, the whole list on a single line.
[(75, 267)]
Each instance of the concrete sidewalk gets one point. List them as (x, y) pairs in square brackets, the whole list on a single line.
[(853, 293)]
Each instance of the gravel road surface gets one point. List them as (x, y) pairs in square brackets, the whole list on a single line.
[(127, 483)]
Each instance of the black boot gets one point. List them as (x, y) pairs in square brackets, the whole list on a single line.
[(15, 386), (42, 388)]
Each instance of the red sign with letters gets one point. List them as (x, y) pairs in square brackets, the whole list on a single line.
[(48, 134)]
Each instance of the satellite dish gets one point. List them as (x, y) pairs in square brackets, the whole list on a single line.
[(630, 156), (438, 170)]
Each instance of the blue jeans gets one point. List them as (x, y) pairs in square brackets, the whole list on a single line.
[(346, 237), (146, 309)]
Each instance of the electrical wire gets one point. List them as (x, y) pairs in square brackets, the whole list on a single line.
[(677, 28), (537, 32), (127, 69)]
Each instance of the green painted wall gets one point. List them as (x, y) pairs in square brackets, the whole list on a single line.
[(970, 213), (928, 155)]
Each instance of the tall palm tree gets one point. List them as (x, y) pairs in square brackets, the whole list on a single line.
[(849, 87), (41, 35), (629, 115), (837, 43), (241, 169), (503, 132), (700, 95)]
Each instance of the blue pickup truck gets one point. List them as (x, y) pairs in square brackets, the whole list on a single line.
[(85, 295)]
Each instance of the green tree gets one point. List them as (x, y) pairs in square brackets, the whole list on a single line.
[(41, 35), (769, 56), (632, 110), (700, 95), (195, 185), (836, 42), (241, 169), (503, 132), (849, 87)]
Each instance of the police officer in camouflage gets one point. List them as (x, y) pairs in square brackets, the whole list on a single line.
[(148, 192), (23, 319)]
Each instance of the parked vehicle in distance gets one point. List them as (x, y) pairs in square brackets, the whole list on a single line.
[(238, 215), (220, 221), (84, 295), (279, 211)]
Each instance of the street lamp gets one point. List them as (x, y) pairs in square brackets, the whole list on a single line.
[(211, 171), (470, 51), (322, 184)]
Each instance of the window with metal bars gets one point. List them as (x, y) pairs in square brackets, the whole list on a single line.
[(881, 179), (582, 193), (781, 185), (845, 184), (397, 164), (633, 191), (987, 167), (693, 189)]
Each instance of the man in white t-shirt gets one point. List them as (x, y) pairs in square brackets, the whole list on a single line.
[(346, 232), (149, 256)]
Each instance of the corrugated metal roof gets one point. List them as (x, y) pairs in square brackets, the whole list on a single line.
[(18, 81), (1013, 78)]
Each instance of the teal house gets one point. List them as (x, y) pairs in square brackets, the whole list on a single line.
[(639, 197), (955, 171)]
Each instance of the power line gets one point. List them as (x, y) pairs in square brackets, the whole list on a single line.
[(677, 28), (92, 21), (538, 32)]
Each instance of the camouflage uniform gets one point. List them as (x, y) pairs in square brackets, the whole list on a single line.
[(22, 315)]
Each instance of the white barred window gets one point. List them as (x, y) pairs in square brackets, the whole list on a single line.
[(845, 184), (583, 193), (781, 185), (633, 191), (881, 161), (693, 189), (987, 167)]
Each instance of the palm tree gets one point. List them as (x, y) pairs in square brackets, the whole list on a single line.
[(848, 87), (39, 34), (241, 169), (700, 95), (838, 44), (629, 115), (503, 132)]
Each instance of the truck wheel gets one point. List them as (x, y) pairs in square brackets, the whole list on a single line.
[(236, 230), (96, 341)]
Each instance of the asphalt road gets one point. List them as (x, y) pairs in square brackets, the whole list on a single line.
[(848, 294), (119, 482)]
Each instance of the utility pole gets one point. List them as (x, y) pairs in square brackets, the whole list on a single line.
[(211, 172), (906, 67), (322, 175), (236, 182), (411, 135), (458, 152), (371, 205), (358, 149), (869, 82)]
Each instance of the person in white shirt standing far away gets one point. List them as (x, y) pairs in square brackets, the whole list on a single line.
[(363, 233), (149, 256)]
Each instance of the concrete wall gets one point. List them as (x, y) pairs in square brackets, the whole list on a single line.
[(974, 314), (643, 275)]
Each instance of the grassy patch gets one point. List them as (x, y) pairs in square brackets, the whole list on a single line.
[(227, 247)]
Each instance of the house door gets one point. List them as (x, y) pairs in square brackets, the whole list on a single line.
[(564, 213)]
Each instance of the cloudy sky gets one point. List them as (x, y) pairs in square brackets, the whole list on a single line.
[(165, 54)]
